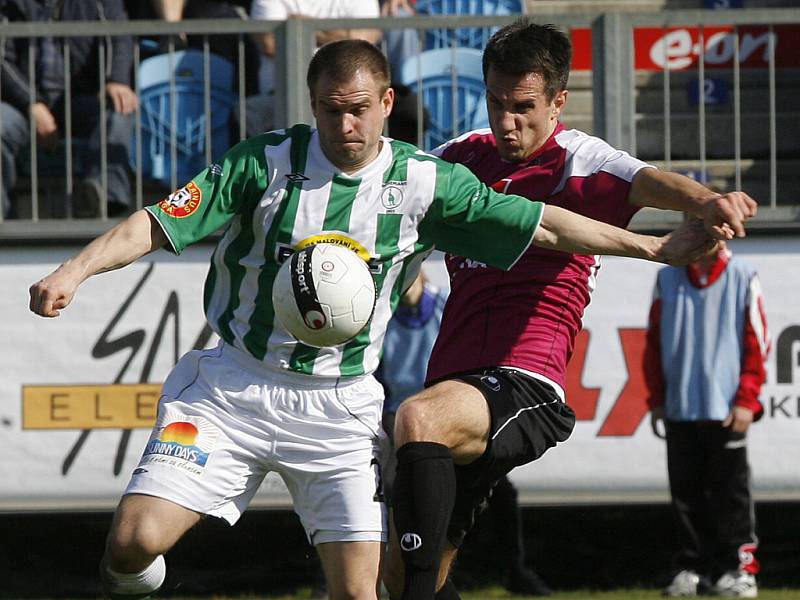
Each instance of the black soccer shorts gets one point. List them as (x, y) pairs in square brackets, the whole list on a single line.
[(527, 418)]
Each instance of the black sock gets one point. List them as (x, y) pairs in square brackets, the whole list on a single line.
[(448, 592), (424, 493)]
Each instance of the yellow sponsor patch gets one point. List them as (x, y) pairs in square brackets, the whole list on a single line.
[(337, 238)]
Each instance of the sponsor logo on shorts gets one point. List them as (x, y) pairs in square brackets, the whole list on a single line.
[(410, 542), (491, 382), (182, 442), (140, 471), (183, 202)]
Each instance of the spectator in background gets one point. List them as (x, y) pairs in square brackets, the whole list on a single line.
[(704, 366), (400, 44), (224, 45), (280, 10), (45, 104)]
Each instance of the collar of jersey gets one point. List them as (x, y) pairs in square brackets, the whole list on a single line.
[(379, 165)]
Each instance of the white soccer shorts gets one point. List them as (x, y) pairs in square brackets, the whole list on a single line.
[(225, 420)]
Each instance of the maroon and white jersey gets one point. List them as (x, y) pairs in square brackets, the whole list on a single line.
[(528, 317)]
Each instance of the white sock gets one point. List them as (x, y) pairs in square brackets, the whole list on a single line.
[(135, 585)]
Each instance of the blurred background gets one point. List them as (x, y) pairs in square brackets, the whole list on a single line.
[(148, 93)]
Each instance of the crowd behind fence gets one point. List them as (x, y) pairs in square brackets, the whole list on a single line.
[(710, 93)]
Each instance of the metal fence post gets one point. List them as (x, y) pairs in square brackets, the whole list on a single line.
[(294, 47), (612, 80)]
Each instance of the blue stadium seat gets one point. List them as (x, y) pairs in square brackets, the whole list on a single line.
[(436, 70), (190, 133), (467, 37)]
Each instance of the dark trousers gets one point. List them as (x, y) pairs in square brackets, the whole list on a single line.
[(15, 137), (709, 480)]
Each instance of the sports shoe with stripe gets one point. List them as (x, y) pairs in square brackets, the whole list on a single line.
[(736, 584)]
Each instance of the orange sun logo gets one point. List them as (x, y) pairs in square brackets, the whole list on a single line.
[(180, 432)]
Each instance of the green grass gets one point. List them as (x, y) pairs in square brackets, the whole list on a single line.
[(497, 593)]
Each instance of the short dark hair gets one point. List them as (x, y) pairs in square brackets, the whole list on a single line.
[(342, 59), (527, 47)]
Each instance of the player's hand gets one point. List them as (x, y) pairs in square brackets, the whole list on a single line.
[(53, 293), (123, 98), (656, 417), (686, 244), (739, 419), (396, 7), (724, 216), (46, 126)]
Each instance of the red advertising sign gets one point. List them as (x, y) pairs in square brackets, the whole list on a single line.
[(679, 48)]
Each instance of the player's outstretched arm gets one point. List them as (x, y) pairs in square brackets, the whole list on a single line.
[(724, 215), (136, 236), (563, 230)]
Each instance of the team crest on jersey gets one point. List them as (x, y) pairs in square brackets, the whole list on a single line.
[(183, 202), (392, 196)]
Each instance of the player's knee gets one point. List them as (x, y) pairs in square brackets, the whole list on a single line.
[(132, 545), (416, 421), (352, 590)]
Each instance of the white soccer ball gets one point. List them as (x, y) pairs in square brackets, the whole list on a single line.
[(324, 295)]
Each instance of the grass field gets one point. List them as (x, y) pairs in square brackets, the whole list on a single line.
[(498, 593)]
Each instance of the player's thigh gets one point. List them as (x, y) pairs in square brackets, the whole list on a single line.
[(452, 413), (352, 569), (144, 527)]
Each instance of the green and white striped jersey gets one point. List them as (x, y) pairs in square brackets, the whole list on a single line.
[(277, 192)]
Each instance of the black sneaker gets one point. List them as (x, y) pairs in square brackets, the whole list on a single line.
[(527, 583)]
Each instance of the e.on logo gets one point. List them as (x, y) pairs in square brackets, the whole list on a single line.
[(675, 48), (680, 49)]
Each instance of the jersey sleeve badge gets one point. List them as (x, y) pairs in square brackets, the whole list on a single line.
[(183, 202)]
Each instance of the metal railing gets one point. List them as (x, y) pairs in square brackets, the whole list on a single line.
[(617, 117), (614, 86)]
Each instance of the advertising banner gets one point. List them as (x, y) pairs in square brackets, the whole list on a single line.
[(78, 393), (679, 48)]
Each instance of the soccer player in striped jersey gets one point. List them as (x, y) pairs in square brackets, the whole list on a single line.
[(496, 375), (261, 401)]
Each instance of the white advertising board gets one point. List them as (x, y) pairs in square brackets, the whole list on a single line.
[(78, 393)]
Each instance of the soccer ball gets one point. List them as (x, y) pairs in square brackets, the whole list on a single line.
[(324, 295)]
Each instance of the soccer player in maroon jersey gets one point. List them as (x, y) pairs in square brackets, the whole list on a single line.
[(496, 376)]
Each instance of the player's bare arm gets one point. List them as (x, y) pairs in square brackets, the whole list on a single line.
[(136, 236), (724, 215), (563, 230)]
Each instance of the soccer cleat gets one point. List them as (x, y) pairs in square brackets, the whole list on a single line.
[(683, 585), (527, 583), (736, 584)]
